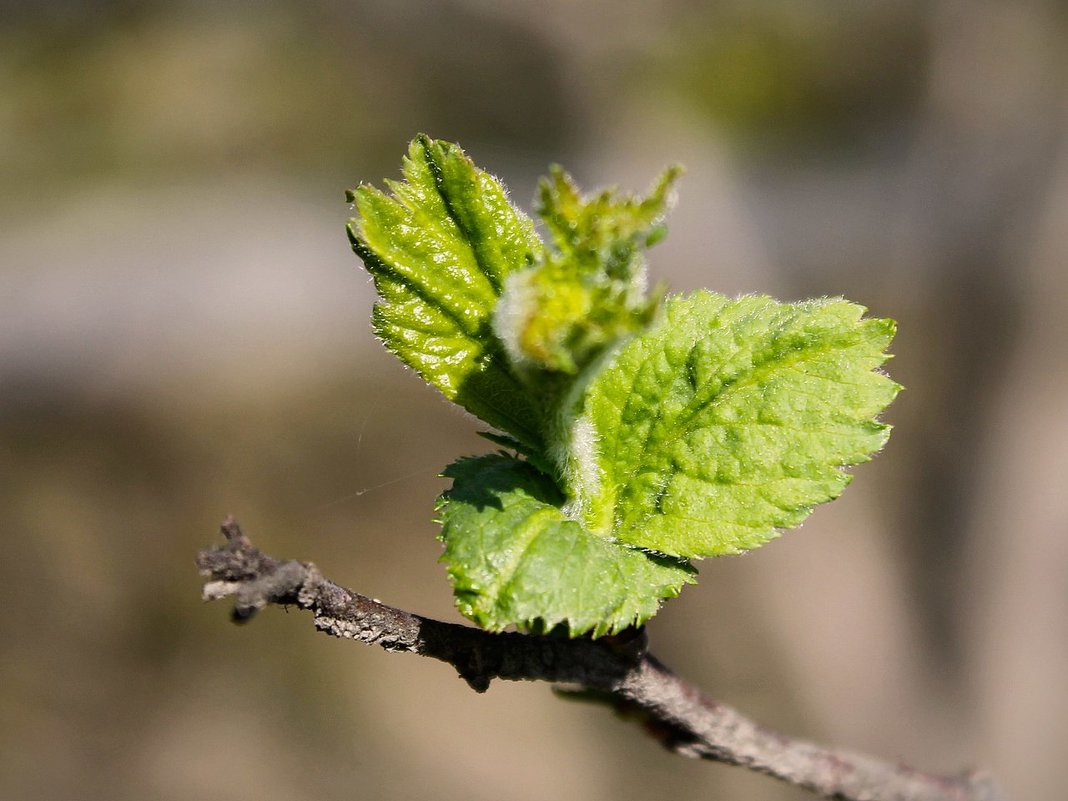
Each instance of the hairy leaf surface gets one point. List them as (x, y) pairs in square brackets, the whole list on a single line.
[(514, 558), (439, 248), (732, 419)]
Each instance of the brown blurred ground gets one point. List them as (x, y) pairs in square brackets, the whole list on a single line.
[(183, 334)]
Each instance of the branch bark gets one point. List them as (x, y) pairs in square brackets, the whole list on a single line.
[(618, 670)]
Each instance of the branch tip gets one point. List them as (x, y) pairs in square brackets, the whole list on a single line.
[(231, 529)]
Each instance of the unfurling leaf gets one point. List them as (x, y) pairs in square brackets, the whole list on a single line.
[(589, 290)]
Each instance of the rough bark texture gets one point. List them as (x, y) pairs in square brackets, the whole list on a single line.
[(617, 670)]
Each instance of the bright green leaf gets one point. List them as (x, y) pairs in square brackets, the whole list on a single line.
[(729, 420), (515, 559), (439, 248)]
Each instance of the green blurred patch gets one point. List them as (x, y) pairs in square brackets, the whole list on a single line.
[(177, 91), (782, 76)]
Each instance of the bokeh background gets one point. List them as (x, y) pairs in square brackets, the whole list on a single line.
[(184, 334)]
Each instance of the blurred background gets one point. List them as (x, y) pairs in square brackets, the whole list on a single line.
[(184, 334)]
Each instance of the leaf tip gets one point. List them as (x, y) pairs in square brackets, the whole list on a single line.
[(354, 238)]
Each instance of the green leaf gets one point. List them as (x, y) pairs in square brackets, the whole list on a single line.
[(440, 247), (514, 558), (729, 420)]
